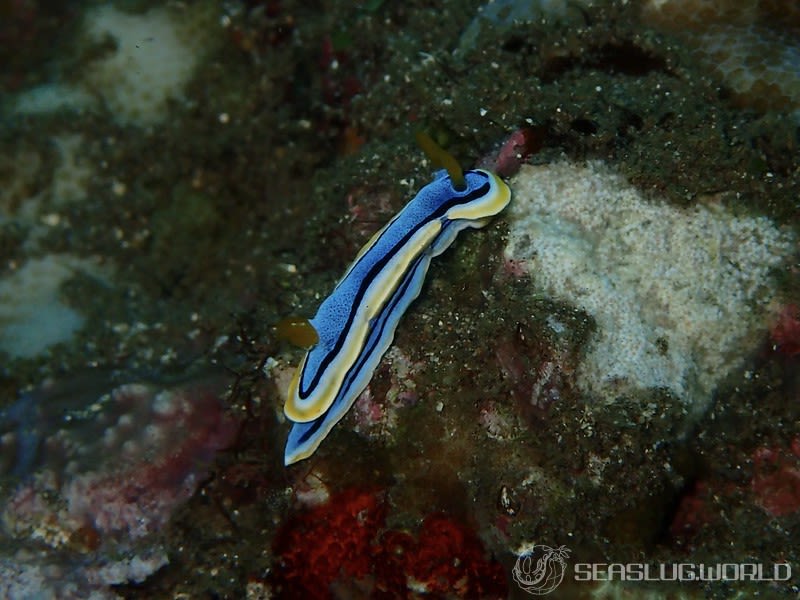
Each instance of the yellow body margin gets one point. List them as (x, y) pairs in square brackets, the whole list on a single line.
[(379, 292), (493, 202)]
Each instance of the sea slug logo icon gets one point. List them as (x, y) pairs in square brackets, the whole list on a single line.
[(540, 570)]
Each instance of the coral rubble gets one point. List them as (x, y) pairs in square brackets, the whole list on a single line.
[(101, 478)]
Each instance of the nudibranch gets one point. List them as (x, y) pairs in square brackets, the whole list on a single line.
[(356, 323)]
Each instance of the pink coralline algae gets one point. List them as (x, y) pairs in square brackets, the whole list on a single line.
[(109, 475), (368, 211), (692, 515), (514, 151), (375, 412), (776, 479), (774, 487), (537, 372), (785, 332)]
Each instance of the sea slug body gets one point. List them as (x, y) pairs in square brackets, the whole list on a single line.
[(356, 323)]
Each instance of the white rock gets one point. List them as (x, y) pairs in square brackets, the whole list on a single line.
[(679, 295)]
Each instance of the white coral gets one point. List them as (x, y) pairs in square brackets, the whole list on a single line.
[(678, 294)]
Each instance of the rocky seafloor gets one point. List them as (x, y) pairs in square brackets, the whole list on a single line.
[(610, 367)]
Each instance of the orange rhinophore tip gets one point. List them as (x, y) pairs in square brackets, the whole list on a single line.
[(296, 330), (442, 158)]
